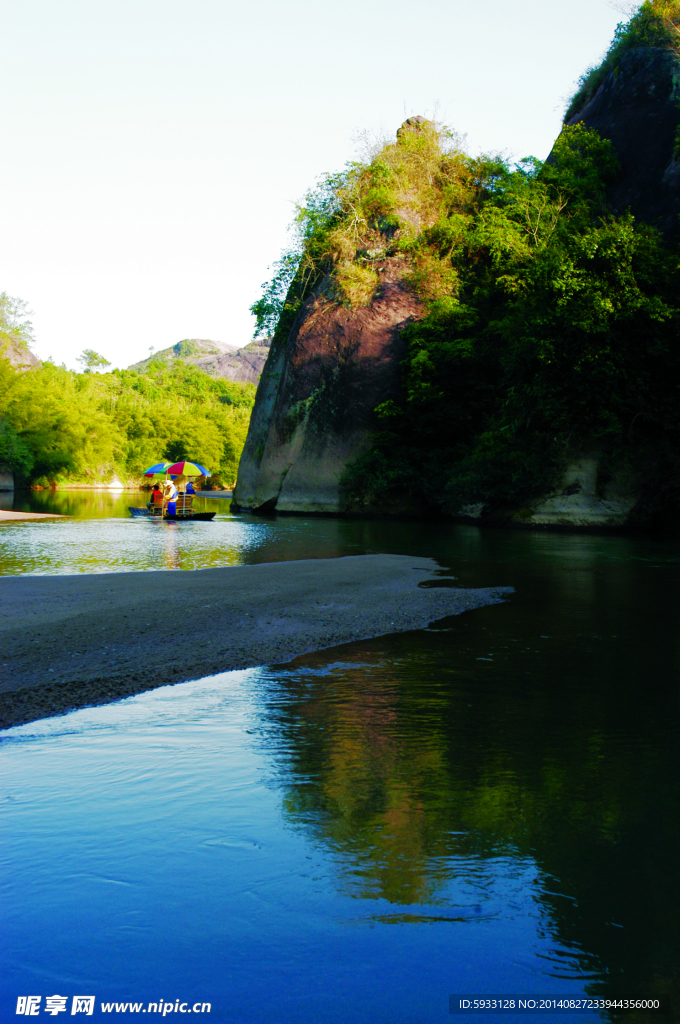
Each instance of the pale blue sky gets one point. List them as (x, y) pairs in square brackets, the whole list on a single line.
[(153, 149)]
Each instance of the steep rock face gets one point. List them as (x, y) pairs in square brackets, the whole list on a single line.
[(637, 109), (313, 412)]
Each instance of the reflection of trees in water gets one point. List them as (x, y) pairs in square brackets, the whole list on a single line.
[(367, 787), (82, 504), (172, 555), (412, 771)]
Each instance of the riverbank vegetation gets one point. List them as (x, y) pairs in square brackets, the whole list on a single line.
[(60, 427), (551, 327)]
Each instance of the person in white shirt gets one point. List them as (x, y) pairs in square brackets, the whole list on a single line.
[(170, 497)]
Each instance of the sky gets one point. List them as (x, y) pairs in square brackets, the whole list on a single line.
[(154, 149)]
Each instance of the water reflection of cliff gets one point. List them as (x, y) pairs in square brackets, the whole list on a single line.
[(417, 765)]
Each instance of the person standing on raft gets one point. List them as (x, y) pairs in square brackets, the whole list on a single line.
[(170, 498)]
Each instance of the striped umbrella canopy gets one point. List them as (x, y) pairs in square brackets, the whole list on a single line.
[(158, 467), (188, 469)]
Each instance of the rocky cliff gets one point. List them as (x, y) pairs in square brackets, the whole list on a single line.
[(314, 409), (535, 383), (637, 107)]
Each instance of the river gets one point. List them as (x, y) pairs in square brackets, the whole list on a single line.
[(486, 807)]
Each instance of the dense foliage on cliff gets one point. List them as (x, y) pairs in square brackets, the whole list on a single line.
[(61, 426), (657, 23), (551, 327)]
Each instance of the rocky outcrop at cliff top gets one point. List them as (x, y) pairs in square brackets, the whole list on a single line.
[(314, 409), (637, 109), (20, 356)]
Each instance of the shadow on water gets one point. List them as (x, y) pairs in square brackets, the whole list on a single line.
[(545, 729)]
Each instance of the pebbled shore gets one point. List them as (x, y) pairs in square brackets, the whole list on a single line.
[(71, 641)]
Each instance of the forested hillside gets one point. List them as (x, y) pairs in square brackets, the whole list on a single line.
[(552, 328), (58, 426)]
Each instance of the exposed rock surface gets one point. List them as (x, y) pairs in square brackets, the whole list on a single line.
[(585, 497), (20, 356), (314, 409), (243, 365), (583, 501), (412, 124), (637, 109)]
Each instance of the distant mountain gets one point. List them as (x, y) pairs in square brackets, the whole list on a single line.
[(243, 365)]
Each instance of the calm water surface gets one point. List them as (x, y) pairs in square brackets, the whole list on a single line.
[(491, 805)]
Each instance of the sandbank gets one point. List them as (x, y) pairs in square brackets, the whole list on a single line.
[(71, 641), (5, 515)]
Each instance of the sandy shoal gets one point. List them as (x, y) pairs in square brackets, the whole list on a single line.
[(70, 641), (7, 516)]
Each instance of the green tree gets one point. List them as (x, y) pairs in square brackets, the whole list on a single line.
[(86, 426), (91, 360), (15, 455)]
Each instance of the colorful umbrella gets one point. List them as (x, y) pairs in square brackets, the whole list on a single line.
[(158, 467), (188, 469)]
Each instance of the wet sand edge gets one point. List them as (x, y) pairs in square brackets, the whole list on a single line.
[(73, 641), (13, 517)]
